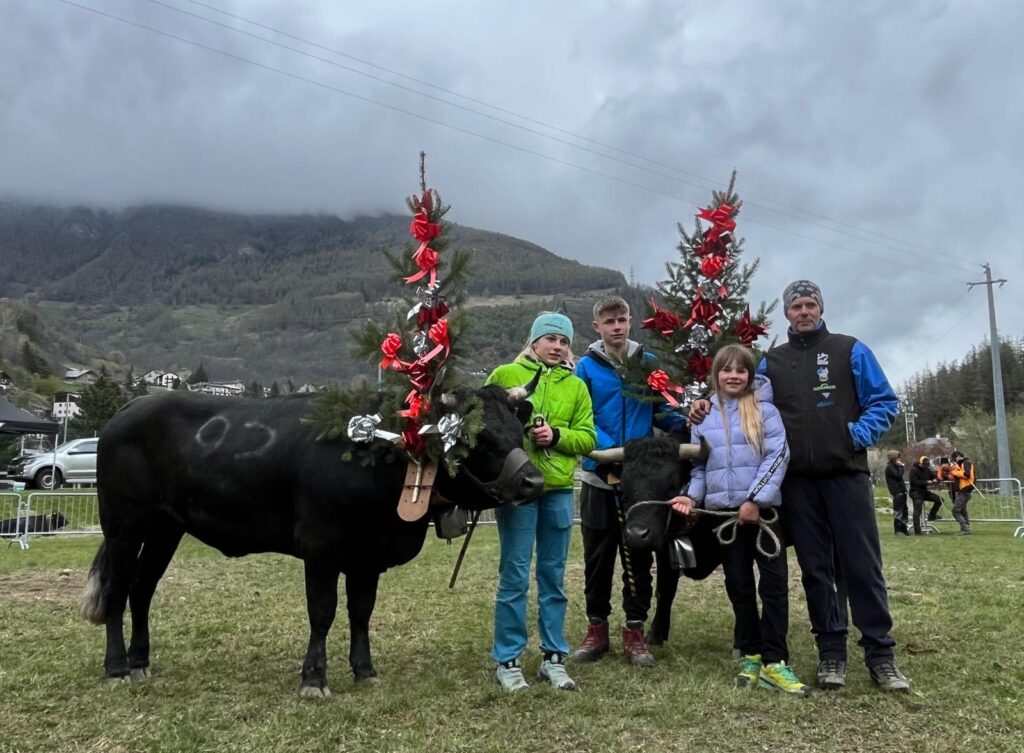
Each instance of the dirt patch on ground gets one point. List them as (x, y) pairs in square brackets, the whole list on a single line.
[(43, 585)]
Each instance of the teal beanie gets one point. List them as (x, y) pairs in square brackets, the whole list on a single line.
[(550, 323)]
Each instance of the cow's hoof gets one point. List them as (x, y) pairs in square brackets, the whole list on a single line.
[(311, 691), (368, 680), (123, 679), (139, 674)]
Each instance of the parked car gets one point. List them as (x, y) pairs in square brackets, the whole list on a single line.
[(76, 462)]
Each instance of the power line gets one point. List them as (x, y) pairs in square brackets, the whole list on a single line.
[(468, 132), (909, 361), (706, 184)]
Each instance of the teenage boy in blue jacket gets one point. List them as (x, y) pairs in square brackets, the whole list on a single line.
[(618, 417)]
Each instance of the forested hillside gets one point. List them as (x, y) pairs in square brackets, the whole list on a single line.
[(260, 297)]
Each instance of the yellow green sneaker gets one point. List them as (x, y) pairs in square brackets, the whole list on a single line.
[(780, 676), (750, 669)]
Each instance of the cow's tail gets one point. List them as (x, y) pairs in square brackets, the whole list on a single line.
[(94, 603)]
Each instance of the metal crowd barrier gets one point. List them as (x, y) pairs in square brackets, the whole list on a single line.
[(49, 514), (998, 500)]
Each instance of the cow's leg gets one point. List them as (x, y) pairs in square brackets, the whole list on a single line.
[(361, 593), (119, 571), (321, 604), (156, 554), (666, 586)]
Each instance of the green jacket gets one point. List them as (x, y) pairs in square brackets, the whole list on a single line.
[(562, 398)]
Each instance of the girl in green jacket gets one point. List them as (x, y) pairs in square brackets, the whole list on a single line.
[(561, 427)]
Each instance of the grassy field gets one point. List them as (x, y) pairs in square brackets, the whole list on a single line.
[(229, 636)]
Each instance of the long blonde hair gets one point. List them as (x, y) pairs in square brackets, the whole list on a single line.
[(751, 420)]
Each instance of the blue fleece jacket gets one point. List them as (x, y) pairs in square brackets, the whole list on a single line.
[(618, 415)]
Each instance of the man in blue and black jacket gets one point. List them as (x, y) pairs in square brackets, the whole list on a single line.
[(835, 402), (619, 416)]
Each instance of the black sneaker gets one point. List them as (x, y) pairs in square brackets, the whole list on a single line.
[(832, 674), (887, 676)]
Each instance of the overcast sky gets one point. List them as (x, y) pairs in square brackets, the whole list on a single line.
[(879, 144)]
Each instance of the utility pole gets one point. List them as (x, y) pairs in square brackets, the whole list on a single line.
[(1002, 438), (909, 416)]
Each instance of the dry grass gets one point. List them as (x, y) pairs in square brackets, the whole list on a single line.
[(229, 637)]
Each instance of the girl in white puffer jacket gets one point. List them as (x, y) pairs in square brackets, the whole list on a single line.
[(743, 472)]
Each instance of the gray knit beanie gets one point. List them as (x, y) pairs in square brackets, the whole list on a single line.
[(799, 289)]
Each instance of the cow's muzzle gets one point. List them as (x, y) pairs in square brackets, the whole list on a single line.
[(518, 482)]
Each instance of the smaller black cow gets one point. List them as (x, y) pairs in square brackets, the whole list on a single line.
[(54, 521), (247, 476), (653, 470)]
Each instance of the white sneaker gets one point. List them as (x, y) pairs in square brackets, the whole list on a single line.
[(553, 671), (510, 677)]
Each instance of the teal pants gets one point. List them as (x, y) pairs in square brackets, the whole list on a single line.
[(548, 521)]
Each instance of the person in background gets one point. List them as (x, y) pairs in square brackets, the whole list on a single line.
[(962, 471), (620, 414), (898, 490), (921, 477), (946, 482), (744, 469), (562, 427)]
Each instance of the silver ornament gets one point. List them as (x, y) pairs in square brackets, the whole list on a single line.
[(420, 344), (364, 429), (708, 290), (449, 427)]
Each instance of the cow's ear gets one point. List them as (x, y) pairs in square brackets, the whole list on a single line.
[(523, 409)]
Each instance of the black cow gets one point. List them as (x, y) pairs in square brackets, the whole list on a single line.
[(653, 469), (33, 524), (247, 476)]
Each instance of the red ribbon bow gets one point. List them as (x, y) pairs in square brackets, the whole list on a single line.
[(704, 312), (747, 330), (699, 365), (418, 406), (426, 259), (420, 376), (426, 204), (422, 229), (664, 321), (439, 334), (390, 347), (712, 266), (659, 382)]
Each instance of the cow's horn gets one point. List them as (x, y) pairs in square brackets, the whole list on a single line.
[(611, 455), (694, 451), (521, 393)]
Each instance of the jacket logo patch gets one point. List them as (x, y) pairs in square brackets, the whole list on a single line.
[(823, 373), (823, 359)]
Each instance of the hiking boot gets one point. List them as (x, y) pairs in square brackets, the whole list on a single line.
[(595, 642), (832, 674), (750, 670), (964, 532), (635, 646), (780, 676), (510, 677), (887, 676), (552, 670)]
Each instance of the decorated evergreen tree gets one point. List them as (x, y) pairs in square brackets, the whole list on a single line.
[(419, 349), (704, 303)]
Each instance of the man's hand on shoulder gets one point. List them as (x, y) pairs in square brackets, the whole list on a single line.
[(699, 410)]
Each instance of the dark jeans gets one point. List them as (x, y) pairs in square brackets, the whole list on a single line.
[(755, 633), (899, 511), (960, 509), (919, 497), (831, 523), (602, 545)]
